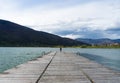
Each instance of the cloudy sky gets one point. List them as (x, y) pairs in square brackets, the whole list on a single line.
[(67, 18)]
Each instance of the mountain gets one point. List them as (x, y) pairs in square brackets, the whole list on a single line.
[(101, 41), (12, 34), (117, 40)]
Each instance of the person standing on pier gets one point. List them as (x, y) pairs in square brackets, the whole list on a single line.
[(60, 49)]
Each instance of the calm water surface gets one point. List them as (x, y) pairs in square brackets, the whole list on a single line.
[(13, 56), (107, 57)]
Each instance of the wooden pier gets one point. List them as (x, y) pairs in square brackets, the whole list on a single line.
[(60, 67)]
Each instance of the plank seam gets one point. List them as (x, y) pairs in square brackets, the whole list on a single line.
[(45, 68), (87, 76)]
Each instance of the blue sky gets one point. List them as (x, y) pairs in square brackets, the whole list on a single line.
[(67, 18)]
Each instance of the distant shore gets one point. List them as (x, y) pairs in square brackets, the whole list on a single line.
[(85, 46)]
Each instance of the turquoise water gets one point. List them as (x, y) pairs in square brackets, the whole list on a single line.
[(13, 56), (107, 57)]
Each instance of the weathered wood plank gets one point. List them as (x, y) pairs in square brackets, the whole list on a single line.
[(60, 67)]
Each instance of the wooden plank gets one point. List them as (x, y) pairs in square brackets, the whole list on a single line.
[(60, 68)]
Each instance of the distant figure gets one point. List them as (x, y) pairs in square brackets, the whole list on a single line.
[(60, 49)]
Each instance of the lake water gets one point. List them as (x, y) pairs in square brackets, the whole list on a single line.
[(13, 56), (107, 57)]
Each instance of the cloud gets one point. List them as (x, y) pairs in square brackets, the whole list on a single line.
[(72, 36), (86, 32), (70, 18), (114, 32), (114, 29)]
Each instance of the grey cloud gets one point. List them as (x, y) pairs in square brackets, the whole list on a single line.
[(114, 29), (85, 32)]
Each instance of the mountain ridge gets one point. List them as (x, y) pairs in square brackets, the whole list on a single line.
[(100, 41), (12, 34)]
